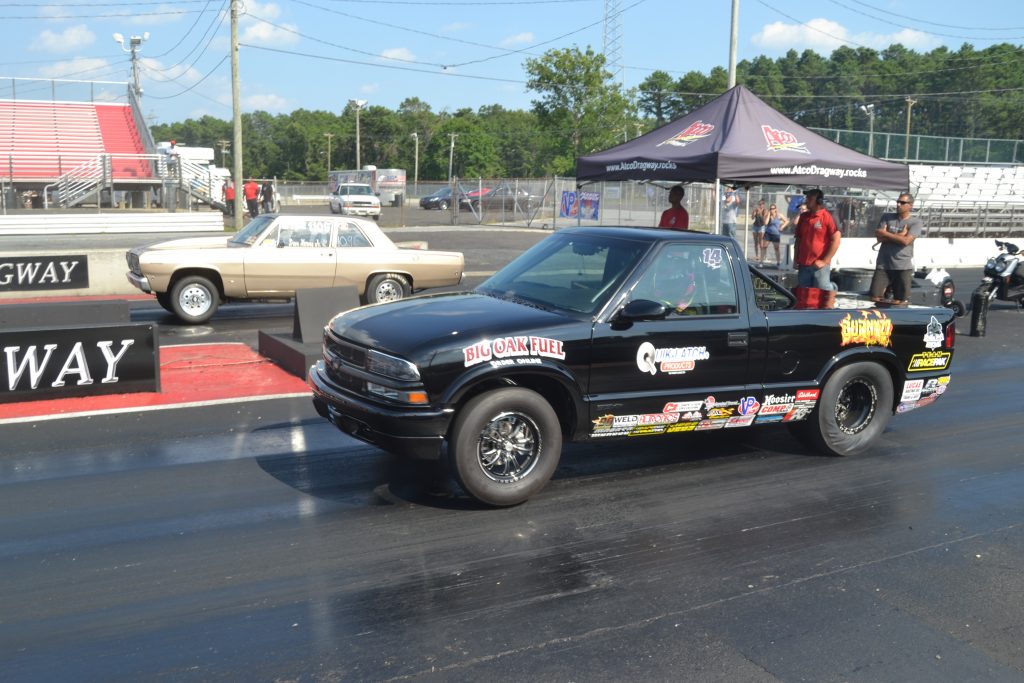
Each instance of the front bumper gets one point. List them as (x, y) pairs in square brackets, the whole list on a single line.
[(360, 210), (412, 432), (139, 281)]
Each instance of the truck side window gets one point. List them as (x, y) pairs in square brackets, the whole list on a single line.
[(769, 295), (690, 279)]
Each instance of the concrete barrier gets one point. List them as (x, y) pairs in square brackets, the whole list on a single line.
[(107, 275), (54, 223), (933, 252)]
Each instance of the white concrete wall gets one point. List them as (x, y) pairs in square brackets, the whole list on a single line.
[(933, 252), (48, 223)]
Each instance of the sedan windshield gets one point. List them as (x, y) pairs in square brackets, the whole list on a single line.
[(574, 273), (248, 235)]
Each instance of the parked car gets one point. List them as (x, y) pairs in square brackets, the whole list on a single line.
[(355, 199), (274, 255), (441, 199), (501, 198), (603, 333)]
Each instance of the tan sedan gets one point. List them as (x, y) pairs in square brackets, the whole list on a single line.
[(274, 255)]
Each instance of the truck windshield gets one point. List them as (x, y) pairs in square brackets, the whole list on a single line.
[(354, 189), (575, 273)]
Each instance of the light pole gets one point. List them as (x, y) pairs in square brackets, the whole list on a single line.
[(906, 148), (416, 165), (358, 104), (451, 154), (134, 44), (329, 136), (869, 109)]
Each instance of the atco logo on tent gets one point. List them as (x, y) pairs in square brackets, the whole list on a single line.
[(695, 131), (782, 141)]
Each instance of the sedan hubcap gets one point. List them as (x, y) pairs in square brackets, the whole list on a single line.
[(509, 447), (195, 300), (388, 291)]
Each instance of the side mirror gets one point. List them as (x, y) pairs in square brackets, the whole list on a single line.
[(642, 309)]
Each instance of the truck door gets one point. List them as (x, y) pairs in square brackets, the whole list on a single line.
[(666, 370)]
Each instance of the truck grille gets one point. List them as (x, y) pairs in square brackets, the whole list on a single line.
[(340, 358)]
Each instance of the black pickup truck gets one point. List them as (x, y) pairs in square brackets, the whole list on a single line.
[(598, 333)]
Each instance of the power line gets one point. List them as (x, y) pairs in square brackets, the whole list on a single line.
[(193, 86), (933, 23), (187, 33), (920, 30), (111, 15), (211, 30)]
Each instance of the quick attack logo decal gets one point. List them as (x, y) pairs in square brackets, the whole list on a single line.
[(873, 328), (782, 141), (671, 361), (522, 347), (698, 130)]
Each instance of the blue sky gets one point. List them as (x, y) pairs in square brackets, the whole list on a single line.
[(455, 54)]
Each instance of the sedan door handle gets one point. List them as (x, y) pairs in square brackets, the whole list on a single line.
[(739, 340)]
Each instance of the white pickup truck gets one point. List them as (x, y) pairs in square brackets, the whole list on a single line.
[(355, 199)]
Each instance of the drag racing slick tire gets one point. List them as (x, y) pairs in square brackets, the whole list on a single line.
[(505, 445), (854, 409), (194, 299)]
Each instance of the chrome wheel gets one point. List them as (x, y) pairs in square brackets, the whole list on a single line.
[(388, 290), (856, 405), (195, 300), (509, 447)]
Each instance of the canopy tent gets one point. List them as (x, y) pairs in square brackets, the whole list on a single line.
[(738, 138)]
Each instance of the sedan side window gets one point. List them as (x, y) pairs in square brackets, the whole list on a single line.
[(349, 235)]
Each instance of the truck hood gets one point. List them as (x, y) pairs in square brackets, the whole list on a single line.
[(421, 327)]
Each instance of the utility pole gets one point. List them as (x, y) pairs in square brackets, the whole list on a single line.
[(224, 144), (906, 148), (451, 154), (869, 109), (236, 119), (358, 104), (134, 45), (329, 136), (733, 39), (416, 165)]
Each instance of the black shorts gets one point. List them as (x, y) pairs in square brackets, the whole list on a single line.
[(899, 280), (769, 237)]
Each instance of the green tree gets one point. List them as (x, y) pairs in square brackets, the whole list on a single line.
[(658, 98)]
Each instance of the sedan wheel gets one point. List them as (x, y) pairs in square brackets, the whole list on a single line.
[(443, 205), (387, 287), (194, 299)]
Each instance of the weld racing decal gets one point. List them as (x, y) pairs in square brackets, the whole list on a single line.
[(512, 347)]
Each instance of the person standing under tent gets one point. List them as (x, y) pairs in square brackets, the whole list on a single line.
[(773, 233), (730, 210), (675, 217), (267, 197), (758, 220), (817, 241)]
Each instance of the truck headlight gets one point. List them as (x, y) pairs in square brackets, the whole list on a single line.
[(415, 397), (390, 366)]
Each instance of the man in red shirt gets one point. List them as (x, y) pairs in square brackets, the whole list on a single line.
[(817, 241), (252, 196), (229, 197), (676, 217)]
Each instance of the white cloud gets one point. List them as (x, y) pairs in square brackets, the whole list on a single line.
[(399, 53), (268, 102), (256, 31), (455, 27), (160, 14), (825, 35), (518, 39), (80, 67), (369, 88), (71, 38)]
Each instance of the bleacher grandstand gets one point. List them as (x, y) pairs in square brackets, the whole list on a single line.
[(69, 152)]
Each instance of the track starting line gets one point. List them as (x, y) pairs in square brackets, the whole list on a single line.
[(190, 375)]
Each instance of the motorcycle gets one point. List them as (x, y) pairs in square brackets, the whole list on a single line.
[(1003, 280)]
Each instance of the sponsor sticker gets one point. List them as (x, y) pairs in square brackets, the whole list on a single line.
[(749, 405), (682, 406), (718, 413), (929, 360), (647, 430), (777, 409), (773, 399), (712, 257), (906, 407), (798, 413), (512, 347), (872, 328), (671, 360), (933, 336), (912, 390), (807, 394), (761, 417), (740, 421), (681, 427), (705, 425)]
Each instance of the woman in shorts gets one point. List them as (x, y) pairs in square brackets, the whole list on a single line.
[(773, 232), (758, 220)]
